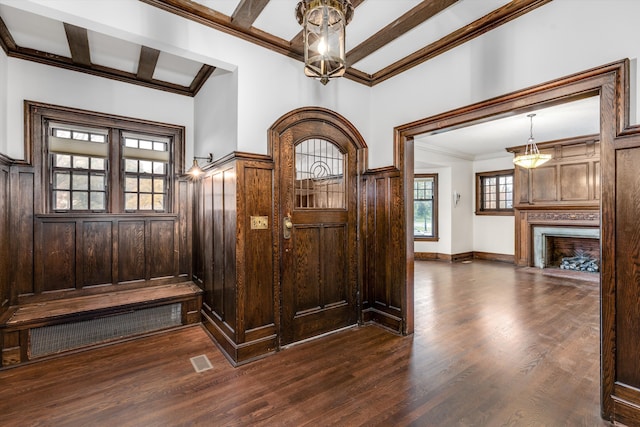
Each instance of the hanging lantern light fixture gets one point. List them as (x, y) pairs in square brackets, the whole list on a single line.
[(324, 23)]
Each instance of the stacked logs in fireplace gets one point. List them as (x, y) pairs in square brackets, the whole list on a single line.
[(580, 262)]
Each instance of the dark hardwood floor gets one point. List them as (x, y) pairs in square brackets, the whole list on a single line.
[(494, 346)]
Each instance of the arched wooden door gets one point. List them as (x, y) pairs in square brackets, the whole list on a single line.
[(317, 169)]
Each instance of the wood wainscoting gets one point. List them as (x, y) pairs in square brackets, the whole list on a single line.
[(63, 268), (233, 262), (384, 259), (5, 294), (63, 258)]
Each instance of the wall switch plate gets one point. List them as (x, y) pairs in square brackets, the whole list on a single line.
[(259, 222)]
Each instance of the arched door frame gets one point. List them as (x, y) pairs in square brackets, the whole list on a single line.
[(610, 83)]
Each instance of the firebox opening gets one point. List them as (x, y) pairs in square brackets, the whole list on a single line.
[(568, 248), (572, 253)]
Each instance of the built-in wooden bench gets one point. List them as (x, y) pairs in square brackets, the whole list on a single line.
[(104, 317)]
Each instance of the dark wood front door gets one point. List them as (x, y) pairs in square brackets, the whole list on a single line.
[(318, 173)]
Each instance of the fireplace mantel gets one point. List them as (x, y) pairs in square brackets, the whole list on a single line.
[(564, 192), (528, 220)]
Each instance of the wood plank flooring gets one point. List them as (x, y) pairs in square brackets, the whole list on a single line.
[(494, 346)]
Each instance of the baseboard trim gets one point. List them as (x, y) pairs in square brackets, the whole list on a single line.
[(490, 256), (463, 256)]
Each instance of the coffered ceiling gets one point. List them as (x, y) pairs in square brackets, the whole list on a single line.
[(385, 37)]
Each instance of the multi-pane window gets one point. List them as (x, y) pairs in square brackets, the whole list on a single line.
[(98, 163), (146, 163), (78, 169), (494, 193), (425, 206)]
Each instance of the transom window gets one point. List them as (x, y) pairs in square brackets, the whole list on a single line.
[(494, 193), (319, 180), (425, 207)]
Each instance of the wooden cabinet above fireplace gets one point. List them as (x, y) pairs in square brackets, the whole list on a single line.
[(571, 179)]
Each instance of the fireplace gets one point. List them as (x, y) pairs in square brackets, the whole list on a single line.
[(570, 248)]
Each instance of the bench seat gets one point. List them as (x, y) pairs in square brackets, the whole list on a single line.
[(19, 321)]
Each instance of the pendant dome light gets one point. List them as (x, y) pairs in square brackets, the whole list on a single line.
[(532, 157)]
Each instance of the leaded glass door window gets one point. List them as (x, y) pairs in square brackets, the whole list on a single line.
[(319, 175)]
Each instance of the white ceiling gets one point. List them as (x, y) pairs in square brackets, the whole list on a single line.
[(485, 140), (489, 139), (44, 34)]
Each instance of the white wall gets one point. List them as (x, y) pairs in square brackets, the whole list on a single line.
[(42, 83), (462, 213), (493, 234), (216, 116), (269, 84), (558, 39), (460, 230)]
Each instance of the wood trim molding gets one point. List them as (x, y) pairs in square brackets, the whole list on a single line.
[(293, 48), (490, 256), (6, 39), (247, 12), (414, 17), (611, 83), (437, 256), (6, 160), (96, 70), (147, 63), (498, 17), (78, 41), (80, 61)]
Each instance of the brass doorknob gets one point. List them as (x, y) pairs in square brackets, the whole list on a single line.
[(287, 226)]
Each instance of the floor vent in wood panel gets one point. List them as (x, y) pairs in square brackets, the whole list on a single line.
[(54, 339), (201, 363)]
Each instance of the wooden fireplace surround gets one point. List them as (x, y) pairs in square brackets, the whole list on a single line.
[(564, 192)]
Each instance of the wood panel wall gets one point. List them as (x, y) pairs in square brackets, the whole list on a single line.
[(384, 258), (571, 179), (565, 191), (621, 301), (233, 263), (5, 295), (77, 252), (60, 255)]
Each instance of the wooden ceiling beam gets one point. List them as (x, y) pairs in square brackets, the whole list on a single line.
[(247, 12), (506, 13), (414, 17), (147, 63), (78, 44), (216, 20), (200, 78), (96, 70)]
